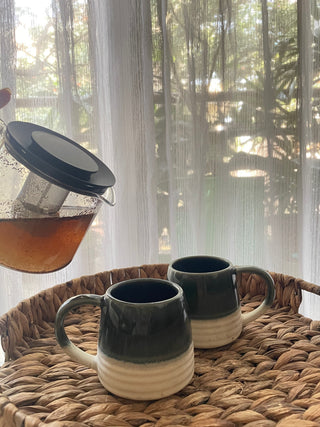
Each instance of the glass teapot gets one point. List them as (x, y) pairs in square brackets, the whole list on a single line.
[(51, 190)]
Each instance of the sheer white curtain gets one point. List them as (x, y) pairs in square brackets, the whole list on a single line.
[(309, 165), (205, 110), (122, 51)]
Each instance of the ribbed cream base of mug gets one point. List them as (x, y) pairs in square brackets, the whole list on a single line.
[(211, 333), (147, 381)]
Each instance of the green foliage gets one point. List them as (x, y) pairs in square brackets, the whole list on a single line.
[(39, 70), (253, 62)]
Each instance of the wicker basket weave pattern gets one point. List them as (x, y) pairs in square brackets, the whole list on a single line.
[(269, 376)]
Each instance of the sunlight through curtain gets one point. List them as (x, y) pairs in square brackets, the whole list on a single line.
[(206, 111)]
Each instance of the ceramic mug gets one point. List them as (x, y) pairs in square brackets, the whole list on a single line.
[(145, 348), (210, 287)]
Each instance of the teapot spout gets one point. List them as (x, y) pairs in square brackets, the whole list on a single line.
[(108, 197)]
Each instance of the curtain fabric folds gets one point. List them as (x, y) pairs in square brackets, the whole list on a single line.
[(206, 111)]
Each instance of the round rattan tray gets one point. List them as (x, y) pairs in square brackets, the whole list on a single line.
[(269, 376)]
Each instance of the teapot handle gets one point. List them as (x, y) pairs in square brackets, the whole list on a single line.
[(5, 96), (67, 346)]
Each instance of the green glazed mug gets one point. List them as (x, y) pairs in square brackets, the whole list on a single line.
[(145, 348), (210, 286)]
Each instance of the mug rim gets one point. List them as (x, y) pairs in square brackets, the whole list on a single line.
[(175, 297), (189, 257)]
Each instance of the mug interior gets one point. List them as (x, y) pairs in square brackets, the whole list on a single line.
[(144, 291), (199, 264)]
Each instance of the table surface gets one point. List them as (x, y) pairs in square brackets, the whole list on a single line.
[(269, 376), (270, 373)]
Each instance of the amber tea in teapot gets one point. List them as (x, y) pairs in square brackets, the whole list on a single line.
[(41, 245), (51, 190)]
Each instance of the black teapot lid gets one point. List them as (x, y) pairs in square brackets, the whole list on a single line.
[(58, 159)]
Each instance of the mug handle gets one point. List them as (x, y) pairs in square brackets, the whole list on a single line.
[(267, 302), (67, 346)]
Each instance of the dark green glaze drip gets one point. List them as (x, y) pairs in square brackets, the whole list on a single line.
[(144, 322)]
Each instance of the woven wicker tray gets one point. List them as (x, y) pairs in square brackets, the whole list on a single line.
[(269, 376)]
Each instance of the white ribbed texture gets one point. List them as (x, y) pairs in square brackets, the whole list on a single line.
[(211, 333), (147, 381)]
